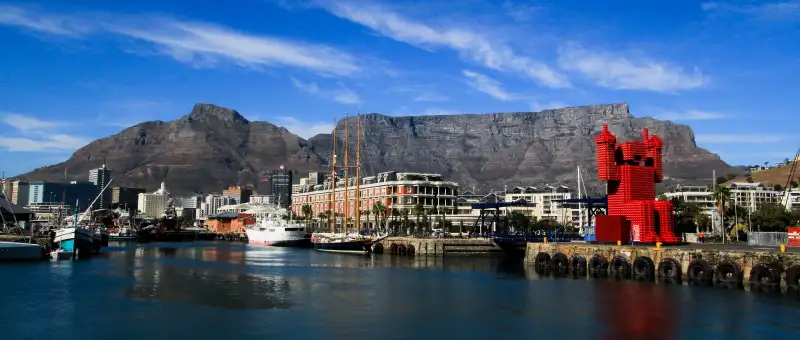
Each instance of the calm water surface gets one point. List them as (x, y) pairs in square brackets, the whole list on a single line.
[(235, 291)]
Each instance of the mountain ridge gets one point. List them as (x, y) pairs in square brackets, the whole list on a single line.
[(213, 147)]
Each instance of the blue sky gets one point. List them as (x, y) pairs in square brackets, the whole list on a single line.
[(74, 71)]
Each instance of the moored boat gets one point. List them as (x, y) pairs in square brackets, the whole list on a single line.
[(272, 231), (76, 240), (339, 243), (13, 251)]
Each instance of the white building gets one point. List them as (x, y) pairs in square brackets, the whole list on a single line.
[(751, 195), (791, 199), (261, 199), (697, 194), (211, 205), (153, 204), (545, 207)]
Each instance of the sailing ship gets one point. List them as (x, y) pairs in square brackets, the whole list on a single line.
[(345, 242)]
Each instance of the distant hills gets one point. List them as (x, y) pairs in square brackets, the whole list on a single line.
[(213, 147)]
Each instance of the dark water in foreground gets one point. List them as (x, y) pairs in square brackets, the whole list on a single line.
[(234, 291)]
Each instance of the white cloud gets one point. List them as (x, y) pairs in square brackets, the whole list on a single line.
[(689, 115), (342, 95), (430, 97), (34, 134), (195, 43), (739, 138), (28, 18), (488, 85), (304, 129), (518, 11), (621, 73), (779, 10), (537, 106), (471, 45)]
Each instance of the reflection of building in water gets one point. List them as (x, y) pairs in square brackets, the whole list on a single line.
[(201, 283), (636, 311)]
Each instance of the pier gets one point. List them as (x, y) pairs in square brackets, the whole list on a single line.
[(437, 246), (710, 264)]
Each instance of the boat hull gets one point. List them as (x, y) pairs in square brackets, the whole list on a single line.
[(75, 239), (353, 247), (12, 251), (301, 243)]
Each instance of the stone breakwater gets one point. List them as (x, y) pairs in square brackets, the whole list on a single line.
[(437, 246), (727, 266)]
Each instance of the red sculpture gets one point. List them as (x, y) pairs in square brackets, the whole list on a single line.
[(632, 170)]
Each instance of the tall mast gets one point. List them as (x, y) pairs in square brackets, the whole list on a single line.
[(346, 170), (358, 173), (332, 217)]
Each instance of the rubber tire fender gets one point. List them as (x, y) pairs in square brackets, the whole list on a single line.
[(598, 263), (762, 271), (669, 268), (578, 265), (620, 267), (643, 266), (700, 271), (542, 259), (559, 263), (726, 267), (793, 277)]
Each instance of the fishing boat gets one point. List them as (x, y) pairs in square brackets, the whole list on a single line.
[(122, 234), (345, 242), (79, 240)]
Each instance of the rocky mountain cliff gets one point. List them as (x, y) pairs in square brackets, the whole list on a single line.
[(213, 147)]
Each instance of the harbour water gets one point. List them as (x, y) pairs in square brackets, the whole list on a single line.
[(235, 291)]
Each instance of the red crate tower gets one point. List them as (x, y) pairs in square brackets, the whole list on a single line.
[(632, 170)]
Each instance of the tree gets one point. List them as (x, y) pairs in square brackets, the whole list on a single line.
[(777, 187), (519, 221), (773, 217), (721, 195), (307, 211), (417, 210)]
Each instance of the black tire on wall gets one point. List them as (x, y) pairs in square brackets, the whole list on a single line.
[(559, 264), (542, 260), (578, 265), (728, 272), (700, 271), (598, 264), (644, 267), (669, 269), (793, 277), (620, 268), (763, 275)]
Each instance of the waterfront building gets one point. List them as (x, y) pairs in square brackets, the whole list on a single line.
[(17, 192), (211, 206), (82, 193), (239, 194), (126, 198), (697, 194), (278, 184), (100, 177), (397, 191), (544, 205), (152, 205), (791, 199), (261, 199), (751, 195)]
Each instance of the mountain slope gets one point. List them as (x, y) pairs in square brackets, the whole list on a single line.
[(213, 147)]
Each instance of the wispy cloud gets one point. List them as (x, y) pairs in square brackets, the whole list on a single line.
[(125, 113), (196, 43), (519, 11), (689, 115), (739, 138), (621, 73), (33, 134), (488, 85), (304, 129), (342, 94), (471, 45), (430, 97), (537, 106), (778, 10)]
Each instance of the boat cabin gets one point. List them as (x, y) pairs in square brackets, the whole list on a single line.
[(229, 222)]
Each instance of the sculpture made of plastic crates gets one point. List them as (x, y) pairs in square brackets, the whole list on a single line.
[(632, 170)]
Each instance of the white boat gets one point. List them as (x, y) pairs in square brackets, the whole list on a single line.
[(273, 231), (13, 251), (76, 240)]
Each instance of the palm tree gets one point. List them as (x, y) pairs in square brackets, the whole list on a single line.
[(404, 213), (377, 210), (307, 211), (417, 210)]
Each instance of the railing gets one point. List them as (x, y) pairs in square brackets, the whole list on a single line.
[(767, 239)]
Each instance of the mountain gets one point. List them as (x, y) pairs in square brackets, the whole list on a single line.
[(213, 147)]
